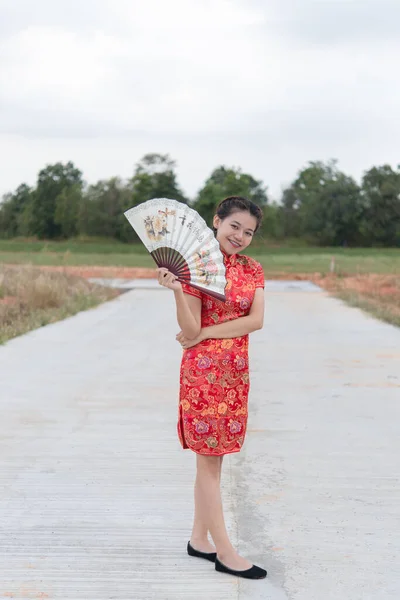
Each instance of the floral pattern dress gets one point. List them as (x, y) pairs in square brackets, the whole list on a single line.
[(214, 375)]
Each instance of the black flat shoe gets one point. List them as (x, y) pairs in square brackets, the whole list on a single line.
[(252, 573), (211, 556)]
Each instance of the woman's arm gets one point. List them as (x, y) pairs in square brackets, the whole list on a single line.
[(241, 326), (188, 314), (188, 308), (235, 328)]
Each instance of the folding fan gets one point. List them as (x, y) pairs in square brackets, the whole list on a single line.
[(178, 239)]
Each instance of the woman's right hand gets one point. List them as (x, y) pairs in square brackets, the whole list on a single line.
[(168, 279)]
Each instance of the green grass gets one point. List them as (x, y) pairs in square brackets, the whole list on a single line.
[(75, 246), (274, 260), (69, 258), (317, 262)]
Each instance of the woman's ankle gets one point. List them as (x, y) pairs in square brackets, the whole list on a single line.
[(196, 539), (225, 552), (202, 544)]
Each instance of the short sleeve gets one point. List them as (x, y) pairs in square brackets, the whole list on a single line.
[(259, 276), (188, 289)]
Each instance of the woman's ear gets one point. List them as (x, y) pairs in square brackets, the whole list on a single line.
[(216, 221)]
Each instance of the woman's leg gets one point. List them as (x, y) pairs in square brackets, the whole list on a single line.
[(199, 538), (209, 512)]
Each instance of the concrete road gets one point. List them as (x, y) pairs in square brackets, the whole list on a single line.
[(96, 494)]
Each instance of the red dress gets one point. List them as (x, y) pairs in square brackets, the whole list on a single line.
[(214, 376)]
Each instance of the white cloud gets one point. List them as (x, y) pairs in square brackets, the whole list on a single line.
[(174, 68), (211, 82), (43, 66)]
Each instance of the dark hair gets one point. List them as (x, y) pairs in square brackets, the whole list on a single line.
[(235, 203)]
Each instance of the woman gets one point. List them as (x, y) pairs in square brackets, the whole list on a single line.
[(214, 378)]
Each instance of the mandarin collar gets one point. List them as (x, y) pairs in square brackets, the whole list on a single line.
[(229, 260)]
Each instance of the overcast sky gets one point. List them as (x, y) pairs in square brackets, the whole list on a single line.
[(266, 85)]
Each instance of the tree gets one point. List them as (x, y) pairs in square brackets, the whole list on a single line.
[(225, 182), (324, 204), (102, 212), (52, 181), (7, 220), (12, 209), (290, 212), (272, 224), (67, 210), (381, 206), (155, 178)]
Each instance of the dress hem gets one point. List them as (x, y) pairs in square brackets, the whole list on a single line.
[(210, 454)]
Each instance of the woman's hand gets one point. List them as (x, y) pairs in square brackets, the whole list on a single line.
[(168, 279), (185, 343)]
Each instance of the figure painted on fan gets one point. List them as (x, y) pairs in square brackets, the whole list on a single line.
[(157, 226), (214, 376), (206, 276)]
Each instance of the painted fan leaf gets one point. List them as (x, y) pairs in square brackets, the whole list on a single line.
[(178, 239)]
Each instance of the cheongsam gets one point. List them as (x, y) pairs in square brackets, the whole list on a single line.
[(214, 374)]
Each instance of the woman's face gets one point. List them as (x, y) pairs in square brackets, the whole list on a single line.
[(236, 231)]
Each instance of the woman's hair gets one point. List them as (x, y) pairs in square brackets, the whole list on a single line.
[(235, 203)]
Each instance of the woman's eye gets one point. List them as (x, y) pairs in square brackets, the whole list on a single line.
[(234, 226)]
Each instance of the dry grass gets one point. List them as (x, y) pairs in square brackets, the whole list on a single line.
[(377, 294), (31, 298)]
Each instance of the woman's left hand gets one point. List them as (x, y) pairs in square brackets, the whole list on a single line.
[(185, 343)]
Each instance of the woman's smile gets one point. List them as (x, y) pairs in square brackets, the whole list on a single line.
[(234, 243)]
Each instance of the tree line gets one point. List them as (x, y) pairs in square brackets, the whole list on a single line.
[(322, 206)]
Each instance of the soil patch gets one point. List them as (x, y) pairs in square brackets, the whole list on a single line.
[(104, 272)]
